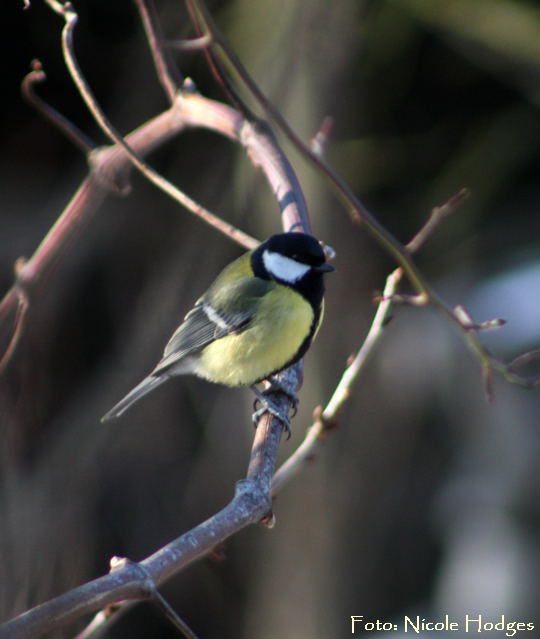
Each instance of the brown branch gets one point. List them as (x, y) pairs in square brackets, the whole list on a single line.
[(168, 74), (111, 166), (250, 504), (425, 293), (344, 193), (252, 500), (73, 133), (327, 419)]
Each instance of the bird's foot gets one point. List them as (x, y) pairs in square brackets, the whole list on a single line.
[(277, 386), (268, 406)]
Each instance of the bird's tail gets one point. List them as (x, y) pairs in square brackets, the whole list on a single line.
[(147, 384)]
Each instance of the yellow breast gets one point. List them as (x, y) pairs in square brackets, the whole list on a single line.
[(265, 346)]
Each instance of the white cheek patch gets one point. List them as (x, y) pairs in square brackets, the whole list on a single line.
[(284, 268)]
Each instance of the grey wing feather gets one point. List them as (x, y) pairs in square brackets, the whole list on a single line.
[(203, 325)]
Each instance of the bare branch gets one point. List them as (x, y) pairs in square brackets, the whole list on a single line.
[(168, 74), (327, 419), (73, 133), (425, 293), (250, 504), (252, 500), (358, 211), (438, 215), (110, 169)]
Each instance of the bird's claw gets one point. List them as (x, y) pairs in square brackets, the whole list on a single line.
[(274, 411), (268, 406), (276, 385)]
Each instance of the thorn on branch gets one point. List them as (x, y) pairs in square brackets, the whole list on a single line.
[(149, 590)]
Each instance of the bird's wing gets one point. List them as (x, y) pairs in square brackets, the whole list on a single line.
[(227, 310)]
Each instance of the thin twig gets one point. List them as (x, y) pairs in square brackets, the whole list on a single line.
[(18, 325), (110, 167), (250, 504), (425, 293), (327, 419), (168, 74), (252, 500), (216, 68), (72, 132), (342, 189), (436, 218), (103, 620), (167, 187)]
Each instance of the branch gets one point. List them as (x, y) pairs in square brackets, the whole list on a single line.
[(168, 73), (425, 293), (110, 168), (250, 504), (73, 133), (130, 581), (327, 419)]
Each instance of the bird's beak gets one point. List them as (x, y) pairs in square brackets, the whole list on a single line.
[(324, 268)]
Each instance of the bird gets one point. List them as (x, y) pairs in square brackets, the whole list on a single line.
[(258, 317)]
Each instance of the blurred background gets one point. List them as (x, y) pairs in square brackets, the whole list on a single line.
[(426, 500)]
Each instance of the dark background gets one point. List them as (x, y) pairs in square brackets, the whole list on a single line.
[(425, 501)]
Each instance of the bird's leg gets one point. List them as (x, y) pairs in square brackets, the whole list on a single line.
[(269, 406)]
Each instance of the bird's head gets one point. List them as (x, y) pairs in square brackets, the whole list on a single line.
[(290, 258)]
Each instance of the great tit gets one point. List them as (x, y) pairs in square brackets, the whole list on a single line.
[(258, 317)]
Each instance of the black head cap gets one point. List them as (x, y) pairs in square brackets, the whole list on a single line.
[(303, 266), (298, 246)]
